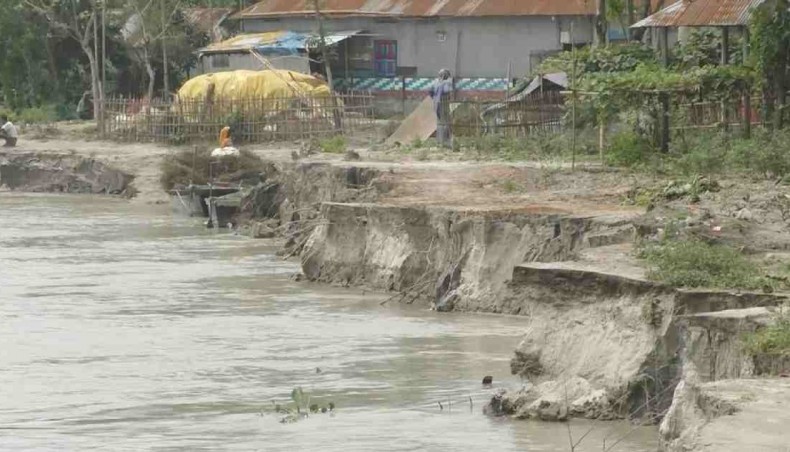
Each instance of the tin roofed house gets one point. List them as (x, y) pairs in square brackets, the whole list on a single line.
[(396, 47), (377, 44)]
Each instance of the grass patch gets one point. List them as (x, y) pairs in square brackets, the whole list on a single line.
[(693, 263), (334, 145), (773, 339), (197, 167), (511, 186)]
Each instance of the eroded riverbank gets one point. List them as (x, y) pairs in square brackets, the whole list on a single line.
[(557, 252), (129, 328)]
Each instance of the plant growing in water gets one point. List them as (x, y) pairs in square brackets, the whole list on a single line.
[(301, 408)]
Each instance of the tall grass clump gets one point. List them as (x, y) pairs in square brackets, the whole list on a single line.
[(773, 339), (693, 263)]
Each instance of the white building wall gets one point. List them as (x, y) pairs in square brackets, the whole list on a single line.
[(469, 47)]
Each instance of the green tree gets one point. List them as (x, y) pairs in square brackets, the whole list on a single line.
[(77, 19), (770, 44), (25, 76)]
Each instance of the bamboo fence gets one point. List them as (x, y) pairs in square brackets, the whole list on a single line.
[(252, 120), (538, 112)]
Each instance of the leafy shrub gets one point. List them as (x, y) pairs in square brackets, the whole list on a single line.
[(599, 59), (8, 113), (773, 339), (334, 145), (703, 48), (693, 263), (766, 153), (38, 115), (627, 149)]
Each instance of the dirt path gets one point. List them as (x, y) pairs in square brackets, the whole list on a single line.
[(479, 186)]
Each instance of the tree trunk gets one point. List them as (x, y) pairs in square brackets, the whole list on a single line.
[(53, 68), (322, 44), (94, 69), (780, 84), (150, 72), (780, 70), (165, 69), (337, 121), (151, 77), (781, 97), (601, 26)]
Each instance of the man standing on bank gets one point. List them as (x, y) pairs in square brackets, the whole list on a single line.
[(440, 93)]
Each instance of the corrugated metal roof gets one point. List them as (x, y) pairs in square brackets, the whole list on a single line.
[(422, 8), (702, 13), (287, 41), (430, 8)]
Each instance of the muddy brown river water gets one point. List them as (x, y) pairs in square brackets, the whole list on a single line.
[(124, 327)]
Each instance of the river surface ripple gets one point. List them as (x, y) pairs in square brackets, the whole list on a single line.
[(127, 328)]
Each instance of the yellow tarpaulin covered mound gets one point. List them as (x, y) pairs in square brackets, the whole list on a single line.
[(240, 85)]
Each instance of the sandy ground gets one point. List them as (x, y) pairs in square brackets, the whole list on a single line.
[(760, 422), (480, 186)]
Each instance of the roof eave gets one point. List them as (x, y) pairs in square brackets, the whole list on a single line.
[(344, 14)]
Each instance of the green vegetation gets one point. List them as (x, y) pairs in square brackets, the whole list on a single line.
[(511, 186), (773, 339), (301, 408), (628, 149), (693, 263), (46, 52), (337, 144), (708, 153)]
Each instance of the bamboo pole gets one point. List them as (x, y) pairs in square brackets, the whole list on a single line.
[(573, 102)]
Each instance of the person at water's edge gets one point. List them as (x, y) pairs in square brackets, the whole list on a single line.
[(8, 132), (440, 93)]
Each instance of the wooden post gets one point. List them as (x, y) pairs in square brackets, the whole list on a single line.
[(327, 64), (747, 93), (663, 97), (601, 27), (403, 95), (664, 45), (725, 60), (747, 113), (165, 69), (573, 103), (664, 138), (96, 78), (103, 130), (347, 62), (601, 136)]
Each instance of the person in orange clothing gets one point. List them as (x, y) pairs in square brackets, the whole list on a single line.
[(224, 137)]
